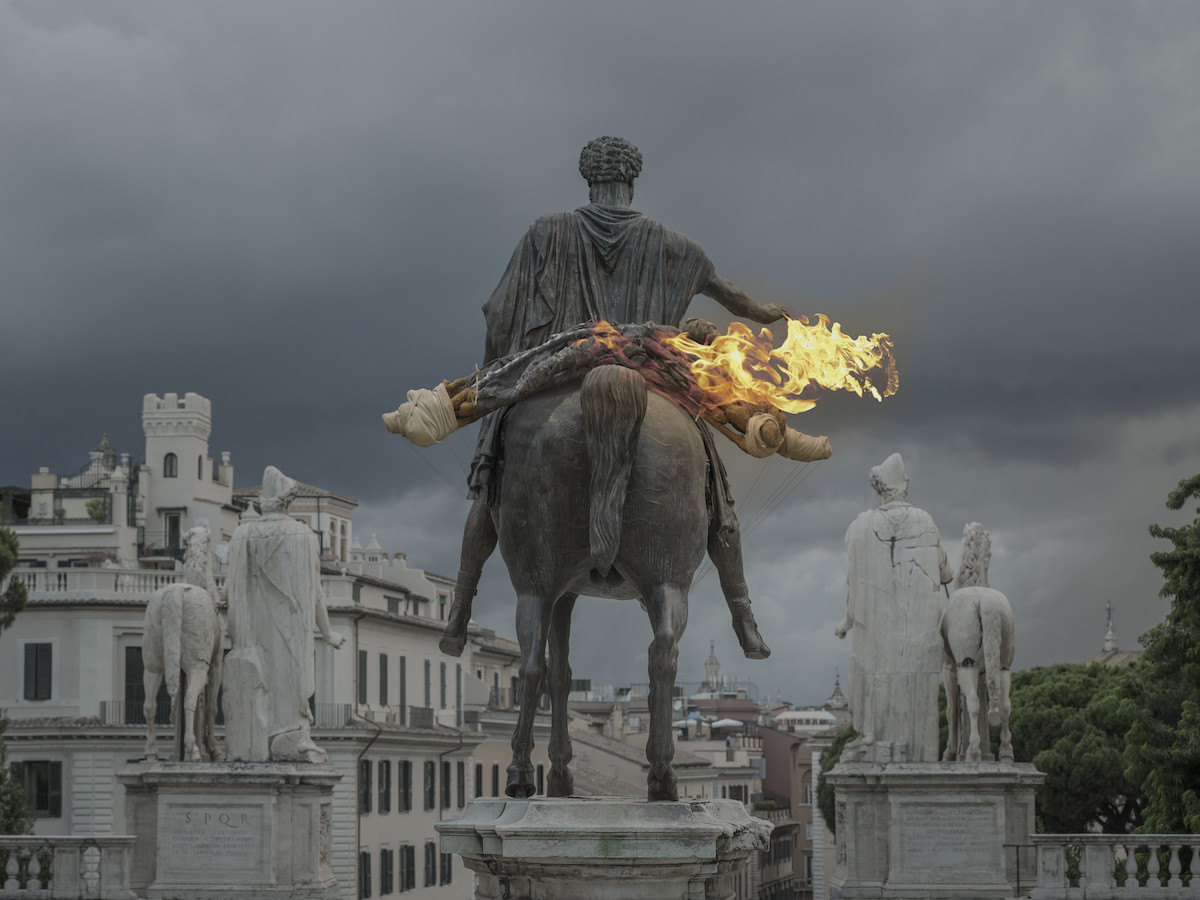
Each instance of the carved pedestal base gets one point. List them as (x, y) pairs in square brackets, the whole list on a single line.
[(604, 848), (935, 831), (230, 830)]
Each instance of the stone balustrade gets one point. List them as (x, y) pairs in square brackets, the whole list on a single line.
[(95, 584), (67, 867), (1104, 866)]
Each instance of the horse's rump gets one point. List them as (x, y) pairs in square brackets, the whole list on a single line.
[(545, 486)]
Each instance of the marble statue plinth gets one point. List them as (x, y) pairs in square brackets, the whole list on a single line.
[(604, 848), (934, 831), (230, 830)]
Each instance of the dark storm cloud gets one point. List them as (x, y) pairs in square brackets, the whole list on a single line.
[(297, 211)]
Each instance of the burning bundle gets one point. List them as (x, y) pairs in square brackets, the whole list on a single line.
[(738, 382)]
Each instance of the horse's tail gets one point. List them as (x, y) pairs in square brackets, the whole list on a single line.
[(613, 400), (991, 617), (171, 625)]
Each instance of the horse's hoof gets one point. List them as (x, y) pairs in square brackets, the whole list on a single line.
[(520, 784), (559, 784), (662, 794)]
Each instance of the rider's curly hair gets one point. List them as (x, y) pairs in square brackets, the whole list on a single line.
[(610, 159)]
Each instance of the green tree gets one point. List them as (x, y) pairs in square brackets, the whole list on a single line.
[(1070, 721), (1163, 746), (15, 817), (829, 759)]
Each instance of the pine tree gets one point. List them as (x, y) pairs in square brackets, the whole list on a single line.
[(1162, 747)]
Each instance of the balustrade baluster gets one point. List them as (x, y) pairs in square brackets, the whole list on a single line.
[(1194, 866), (35, 872), (1173, 867), (1131, 867), (1153, 867), (13, 870)]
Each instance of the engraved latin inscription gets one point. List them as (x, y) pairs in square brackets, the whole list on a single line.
[(225, 838), (956, 836)]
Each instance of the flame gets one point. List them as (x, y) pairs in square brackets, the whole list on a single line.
[(742, 366)]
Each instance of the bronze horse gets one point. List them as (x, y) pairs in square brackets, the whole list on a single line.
[(602, 493)]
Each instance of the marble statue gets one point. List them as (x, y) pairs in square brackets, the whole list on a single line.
[(273, 583), (980, 640), (896, 567), (603, 261), (183, 632)]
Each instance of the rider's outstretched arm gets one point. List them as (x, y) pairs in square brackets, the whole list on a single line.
[(738, 302)]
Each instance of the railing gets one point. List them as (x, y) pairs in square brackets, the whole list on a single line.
[(331, 715), (779, 814), (500, 698), (99, 584), (118, 712), (67, 867), (1104, 866), (420, 717)]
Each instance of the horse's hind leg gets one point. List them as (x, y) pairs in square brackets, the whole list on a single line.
[(968, 682), (953, 717), (533, 621), (197, 678), (560, 783), (211, 693), (150, 682), (1006, 749), (667, 606)]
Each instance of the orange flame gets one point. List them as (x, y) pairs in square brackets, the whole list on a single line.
[(742, 366)]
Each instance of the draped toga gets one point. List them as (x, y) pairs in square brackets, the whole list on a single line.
[(896, 568), (274, 585), (597, 263)]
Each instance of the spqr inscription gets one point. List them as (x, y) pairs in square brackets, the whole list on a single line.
[(230, 839), (937, 836)]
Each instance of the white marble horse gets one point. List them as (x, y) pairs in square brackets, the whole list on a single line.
[(977, 628), (183, 631)]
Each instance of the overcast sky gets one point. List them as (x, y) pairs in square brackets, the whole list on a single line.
[(297, 210)]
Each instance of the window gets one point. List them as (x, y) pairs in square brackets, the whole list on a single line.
[(405, 773), (383, 679), (38, 663), (446, 784), (541, 779), (478, 779), (446, 867), (364, 874), (403, 690), (458, 695), (385, 789), (362, 677), (42, 781), (495, 779), (135, 692), (408, 867), (387, 861), (199, 468), (173, 531), (442, 600), (430, 784), (430, 863), (428, 684), (170, 466), (364, 786), (462, 784), (442, 695)]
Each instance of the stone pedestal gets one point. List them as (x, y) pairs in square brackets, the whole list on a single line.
[(230, 830), (933, 831), (588, 849)]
